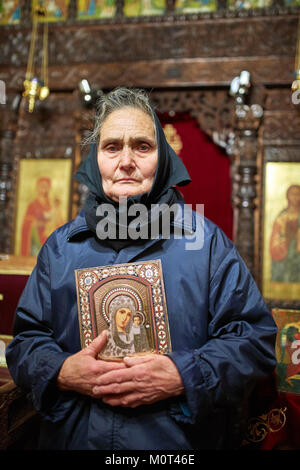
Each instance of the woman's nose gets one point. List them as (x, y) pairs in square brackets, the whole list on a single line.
[(127, 158)]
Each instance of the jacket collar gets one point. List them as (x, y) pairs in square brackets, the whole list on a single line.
[(78, 225)]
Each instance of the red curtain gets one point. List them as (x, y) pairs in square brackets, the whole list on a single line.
[(208, 166), (11, 288)]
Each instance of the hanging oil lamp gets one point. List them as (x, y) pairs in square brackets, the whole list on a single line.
[(35, 87)]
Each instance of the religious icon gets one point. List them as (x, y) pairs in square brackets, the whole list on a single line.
[(43, 202), (128, 301), (10, 11), (42, 217), (281, 270), (248, 4), (285, 240), (288, 350), (173, 138), (88, 9), (126, 331), (144, 7), (194, 6)]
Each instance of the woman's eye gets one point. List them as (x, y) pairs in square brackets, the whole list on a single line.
[(144, 147), (112, 148)]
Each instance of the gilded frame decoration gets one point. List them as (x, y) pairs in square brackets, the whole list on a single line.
[(127, 300), (10, 12), (43, 201)]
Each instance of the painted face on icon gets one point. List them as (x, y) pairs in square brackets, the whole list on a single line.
[(123, 316), (137, 320), (293, 196)]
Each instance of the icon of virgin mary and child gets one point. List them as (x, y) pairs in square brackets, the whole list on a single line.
[(126, 333)]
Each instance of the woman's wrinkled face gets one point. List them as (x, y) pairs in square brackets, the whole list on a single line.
[(127, 153), (123, 316)]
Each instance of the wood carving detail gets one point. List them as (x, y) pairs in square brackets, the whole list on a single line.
[(212, 108), (81, 43), (282, 154), (282, 126), (149, 74), (8, 131), (280, 100)]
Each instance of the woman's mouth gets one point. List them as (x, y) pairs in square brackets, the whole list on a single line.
[(127, 180)]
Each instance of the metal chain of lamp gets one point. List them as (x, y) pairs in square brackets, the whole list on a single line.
[(35, 87)]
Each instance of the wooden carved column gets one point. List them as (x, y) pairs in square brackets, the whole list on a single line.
[(248, 121), (6, 165), (7, 137)]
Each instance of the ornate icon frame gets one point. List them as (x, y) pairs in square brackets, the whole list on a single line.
[(140, 285)]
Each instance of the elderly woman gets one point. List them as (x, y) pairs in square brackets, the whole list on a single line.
[(221, 331)]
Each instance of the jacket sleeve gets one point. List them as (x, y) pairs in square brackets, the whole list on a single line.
[(34, 357), (241, 340)]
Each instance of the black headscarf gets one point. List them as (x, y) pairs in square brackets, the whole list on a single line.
[(170, 172)]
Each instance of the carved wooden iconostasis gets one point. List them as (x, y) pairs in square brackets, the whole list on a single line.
[(186, 54)]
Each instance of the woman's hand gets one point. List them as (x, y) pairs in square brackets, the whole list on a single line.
[(81, 371), (146, 379)]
